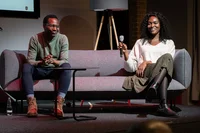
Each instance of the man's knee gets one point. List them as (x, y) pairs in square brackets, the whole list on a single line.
[(27, 67), (66, 65)]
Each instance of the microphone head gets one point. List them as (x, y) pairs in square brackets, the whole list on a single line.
[(121, 38)]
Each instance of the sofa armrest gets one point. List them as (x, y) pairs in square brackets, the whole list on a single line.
[(182, 67), (10, 66)]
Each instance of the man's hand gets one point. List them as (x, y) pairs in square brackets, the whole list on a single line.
[(50, 60)]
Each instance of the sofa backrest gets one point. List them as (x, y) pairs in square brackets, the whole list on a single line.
[(182, 67), (98, 63), (108, 62)]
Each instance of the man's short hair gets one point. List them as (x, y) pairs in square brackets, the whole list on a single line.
[(45, 20)]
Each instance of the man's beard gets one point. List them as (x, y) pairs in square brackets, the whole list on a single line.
[(52, 34)]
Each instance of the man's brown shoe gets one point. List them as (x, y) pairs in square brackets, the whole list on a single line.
[(60, 102), (32, 107)]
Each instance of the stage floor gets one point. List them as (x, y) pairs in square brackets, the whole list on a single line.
[(112, 117)]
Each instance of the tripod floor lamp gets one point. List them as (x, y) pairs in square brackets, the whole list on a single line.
[(108, 6)]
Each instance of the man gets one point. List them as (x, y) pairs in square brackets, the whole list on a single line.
[(47, 49)]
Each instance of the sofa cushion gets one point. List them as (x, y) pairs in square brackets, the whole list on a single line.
[(175, 85), (103, 83)]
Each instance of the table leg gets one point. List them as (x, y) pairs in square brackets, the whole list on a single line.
[(55, 92), (81, 117)]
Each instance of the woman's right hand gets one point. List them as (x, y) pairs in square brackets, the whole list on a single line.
[(124, 48)]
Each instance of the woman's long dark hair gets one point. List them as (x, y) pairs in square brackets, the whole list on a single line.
[(164, 27)]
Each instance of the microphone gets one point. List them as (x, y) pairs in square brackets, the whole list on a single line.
[(121, 39)]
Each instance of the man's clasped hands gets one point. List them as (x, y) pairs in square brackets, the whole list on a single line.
[(47, 60)]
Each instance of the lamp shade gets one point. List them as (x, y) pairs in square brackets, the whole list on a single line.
[(101, 5)]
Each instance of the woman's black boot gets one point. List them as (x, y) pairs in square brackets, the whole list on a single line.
[(152, 91), (158, 79), (163, 109)]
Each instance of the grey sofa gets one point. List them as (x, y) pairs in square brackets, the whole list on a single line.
[(104, 82)]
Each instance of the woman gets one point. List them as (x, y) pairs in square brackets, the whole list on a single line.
[(152, 60)]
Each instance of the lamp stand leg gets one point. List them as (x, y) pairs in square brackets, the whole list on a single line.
[(111, 23), (114, 28), (97, 40), (110, 33)]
